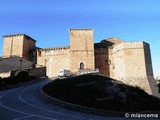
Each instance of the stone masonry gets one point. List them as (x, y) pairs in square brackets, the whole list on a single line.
[(81, 49), (54, 59), (18, 45), (129, 62)]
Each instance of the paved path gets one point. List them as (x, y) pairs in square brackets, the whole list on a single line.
[(26, 103)]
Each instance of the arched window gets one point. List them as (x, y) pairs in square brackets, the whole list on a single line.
[(81, 66)]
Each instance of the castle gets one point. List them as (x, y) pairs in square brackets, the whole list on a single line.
[(129, 62)]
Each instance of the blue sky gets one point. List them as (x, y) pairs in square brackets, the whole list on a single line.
[(48, 21)]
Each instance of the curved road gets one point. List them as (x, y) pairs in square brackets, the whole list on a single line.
[(26, 103)]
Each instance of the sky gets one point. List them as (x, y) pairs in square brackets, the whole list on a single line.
[(49, 21)]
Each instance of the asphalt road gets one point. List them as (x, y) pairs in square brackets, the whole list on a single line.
[(26, 103)]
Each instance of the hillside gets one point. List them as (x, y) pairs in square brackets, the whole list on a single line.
[(101, 92)]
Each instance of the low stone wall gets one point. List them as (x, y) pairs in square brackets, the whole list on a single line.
[(38, 72), (148, 84), (5, 74)]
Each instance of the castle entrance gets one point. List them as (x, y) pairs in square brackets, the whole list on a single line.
[(81, 66)]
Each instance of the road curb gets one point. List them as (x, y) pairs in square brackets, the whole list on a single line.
[(79, 107), (88, 109)]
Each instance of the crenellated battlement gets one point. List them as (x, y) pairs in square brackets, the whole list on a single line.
[(55, 48), (14, 35), (91, 29), (113, 57)]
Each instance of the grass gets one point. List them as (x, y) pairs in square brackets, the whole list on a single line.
[(101, 92)]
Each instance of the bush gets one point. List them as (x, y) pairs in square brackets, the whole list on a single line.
[(21, 76)]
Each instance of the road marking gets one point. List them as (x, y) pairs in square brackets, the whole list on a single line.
[(31, 118), (28, 114), (20, 97), (23, 117)]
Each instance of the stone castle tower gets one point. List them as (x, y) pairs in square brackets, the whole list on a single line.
[(129, 62), (81, 49), (78, 56), (18, 45)]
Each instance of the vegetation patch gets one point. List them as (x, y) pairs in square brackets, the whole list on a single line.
[(103, 93), (16, 80)]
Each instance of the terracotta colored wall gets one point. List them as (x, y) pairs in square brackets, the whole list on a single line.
[(102, 61)]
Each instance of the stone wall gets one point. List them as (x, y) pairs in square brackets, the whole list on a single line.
[(132, 65), (54, 59), (81, 49), (114, 41), (5, 74), (18, 45), (38, 72), (103, 56), (118, 65), (102, 60), (28, 47), (135, 59), (129, 60), (148, 60), (12, 45), (148, 84)]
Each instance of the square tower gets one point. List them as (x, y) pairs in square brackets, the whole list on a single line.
[(18, 45), (81, 49)]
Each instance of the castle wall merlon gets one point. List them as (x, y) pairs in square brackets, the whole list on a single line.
[(81, 29), (13, 35), (55, 48)]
